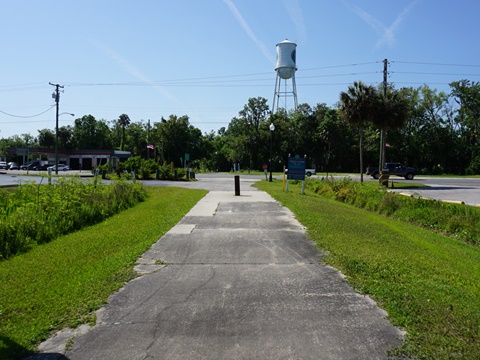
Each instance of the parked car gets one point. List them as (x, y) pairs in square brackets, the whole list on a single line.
[(308, 172), (3, 164), (12, 166), (30, 165), (61, 167), (42, 167)]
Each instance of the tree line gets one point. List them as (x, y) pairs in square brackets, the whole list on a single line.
[(434, 131)]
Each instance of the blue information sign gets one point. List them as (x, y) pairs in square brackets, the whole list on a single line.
[(296, 168)]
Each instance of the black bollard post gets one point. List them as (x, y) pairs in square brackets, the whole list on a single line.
[(237, 185)]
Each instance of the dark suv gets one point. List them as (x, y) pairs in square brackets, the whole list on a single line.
[(43, 167), (30, 165)]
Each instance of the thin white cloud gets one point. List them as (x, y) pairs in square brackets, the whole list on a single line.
[(233, 9), (295, 12), (132, 70), (387, 34)]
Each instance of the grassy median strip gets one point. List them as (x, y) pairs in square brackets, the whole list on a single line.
[(428, 283), (62, 283)]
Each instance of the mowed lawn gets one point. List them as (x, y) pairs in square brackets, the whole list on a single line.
[(62, 283), (428, 283)]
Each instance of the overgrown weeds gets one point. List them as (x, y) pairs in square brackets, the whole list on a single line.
[(455, 220), (33, 214)]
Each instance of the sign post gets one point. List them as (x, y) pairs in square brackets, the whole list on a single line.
[(187, 159)]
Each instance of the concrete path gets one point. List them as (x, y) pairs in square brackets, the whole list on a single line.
[(235, 279)]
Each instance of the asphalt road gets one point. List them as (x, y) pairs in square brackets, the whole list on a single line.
[(465, 190)]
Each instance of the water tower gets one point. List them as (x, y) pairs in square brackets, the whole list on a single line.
[(285, 68)]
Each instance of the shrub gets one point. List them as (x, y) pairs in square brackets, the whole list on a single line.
[(132, 164), (120, 176), (180, 173), (33, 214), (166, 172), (107, 166), (147, 167)]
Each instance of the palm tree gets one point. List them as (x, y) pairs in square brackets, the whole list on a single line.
[(357, 106), (391, 113), (124, 121)]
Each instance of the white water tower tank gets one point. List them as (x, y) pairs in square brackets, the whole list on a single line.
[(286, 59)]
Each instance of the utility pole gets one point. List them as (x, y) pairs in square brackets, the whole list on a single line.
[(56, 96), (148, 139), (381, 164)]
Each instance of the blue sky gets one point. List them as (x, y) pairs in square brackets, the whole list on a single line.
[(206, 58)]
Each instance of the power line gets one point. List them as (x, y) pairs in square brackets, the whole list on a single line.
[(338, 66), (419, 83), (23, 122), (195, 81), (22, 88), (233, 80), (344, 74), (29, 116), (164, 82), (430, 73), (219, 83), (336, 84), (434, 64), (16, 85)]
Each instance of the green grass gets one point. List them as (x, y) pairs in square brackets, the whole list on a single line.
[(455, 220), (404, 185), (428, 283), (62, 283)]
